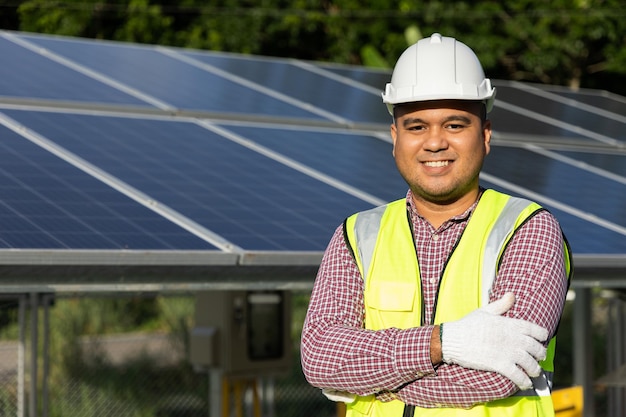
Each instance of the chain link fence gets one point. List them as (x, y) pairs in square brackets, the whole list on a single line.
[(125, 355)]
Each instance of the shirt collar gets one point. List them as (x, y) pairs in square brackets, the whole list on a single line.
[(456, 219)]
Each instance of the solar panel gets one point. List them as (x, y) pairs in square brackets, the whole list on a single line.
[(46, 202), (361, 160), (506, 121), (569, 188), (602, 101), (612, 162), (564, 182), (339, 96), (244, 196), (586, 237), (174, 83), (569, 115), (375, 78), (209, 151), (27, 74)]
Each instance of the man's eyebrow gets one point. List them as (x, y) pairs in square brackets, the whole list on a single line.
[(411, 121), (452, 118), (457, 118)]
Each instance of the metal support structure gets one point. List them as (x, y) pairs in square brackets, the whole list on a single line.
[(47, 301), (268, 395), (21, 357), (215, 392), (615, 357), (27, 365), (583, 351), (34, 332)]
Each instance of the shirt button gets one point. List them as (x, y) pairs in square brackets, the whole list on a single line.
[(435, 237), (433, 280)]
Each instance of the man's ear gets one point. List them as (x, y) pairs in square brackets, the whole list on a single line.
[(393, 130), (487, 135)]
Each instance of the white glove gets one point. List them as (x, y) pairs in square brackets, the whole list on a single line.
[(339, 396), (487, 341)]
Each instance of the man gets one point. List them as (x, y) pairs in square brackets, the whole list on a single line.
[(444, 302)]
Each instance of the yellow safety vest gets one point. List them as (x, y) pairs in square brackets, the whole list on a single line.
[(382, 243)]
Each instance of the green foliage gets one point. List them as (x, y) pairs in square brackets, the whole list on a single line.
[(70, 18), (145, 23), (83, 381), (372, 58)]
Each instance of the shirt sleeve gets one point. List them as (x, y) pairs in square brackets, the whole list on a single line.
[(337, 352), (533, 268)]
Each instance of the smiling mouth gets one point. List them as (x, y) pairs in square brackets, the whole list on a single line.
[(436, 163)]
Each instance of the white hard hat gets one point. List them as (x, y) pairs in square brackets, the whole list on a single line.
[(438, 68)]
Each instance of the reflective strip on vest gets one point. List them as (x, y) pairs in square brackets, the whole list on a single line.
[(366, 229), (542, 386), (501, 229)]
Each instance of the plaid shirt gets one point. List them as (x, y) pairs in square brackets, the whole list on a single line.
[(338, 353)]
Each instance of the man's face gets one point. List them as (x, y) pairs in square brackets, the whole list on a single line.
[(439, 147)]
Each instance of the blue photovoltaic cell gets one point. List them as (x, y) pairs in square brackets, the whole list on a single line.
[(370, 76), (614, 162), (583, 236), (46, 203), (172, 81), (26, 74), (563, 182), (586, 237), (571, 115), (338, 98), (361, 161), (507, 121), (600, 99), (241, 195)]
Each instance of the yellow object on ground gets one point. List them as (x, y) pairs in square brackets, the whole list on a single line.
[(568, 402)]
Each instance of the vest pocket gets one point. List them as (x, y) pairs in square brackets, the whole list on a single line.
[(391, 296)]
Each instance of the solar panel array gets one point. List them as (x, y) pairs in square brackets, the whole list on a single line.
[(119, 147)]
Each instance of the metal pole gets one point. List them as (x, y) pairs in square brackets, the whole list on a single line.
[(47, 299), (215, 393), (583, 353), (617, 330), (21, 357), (34, 306), (610, 353), (270, 392)]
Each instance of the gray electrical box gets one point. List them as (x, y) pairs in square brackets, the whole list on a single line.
[(243, 333)]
